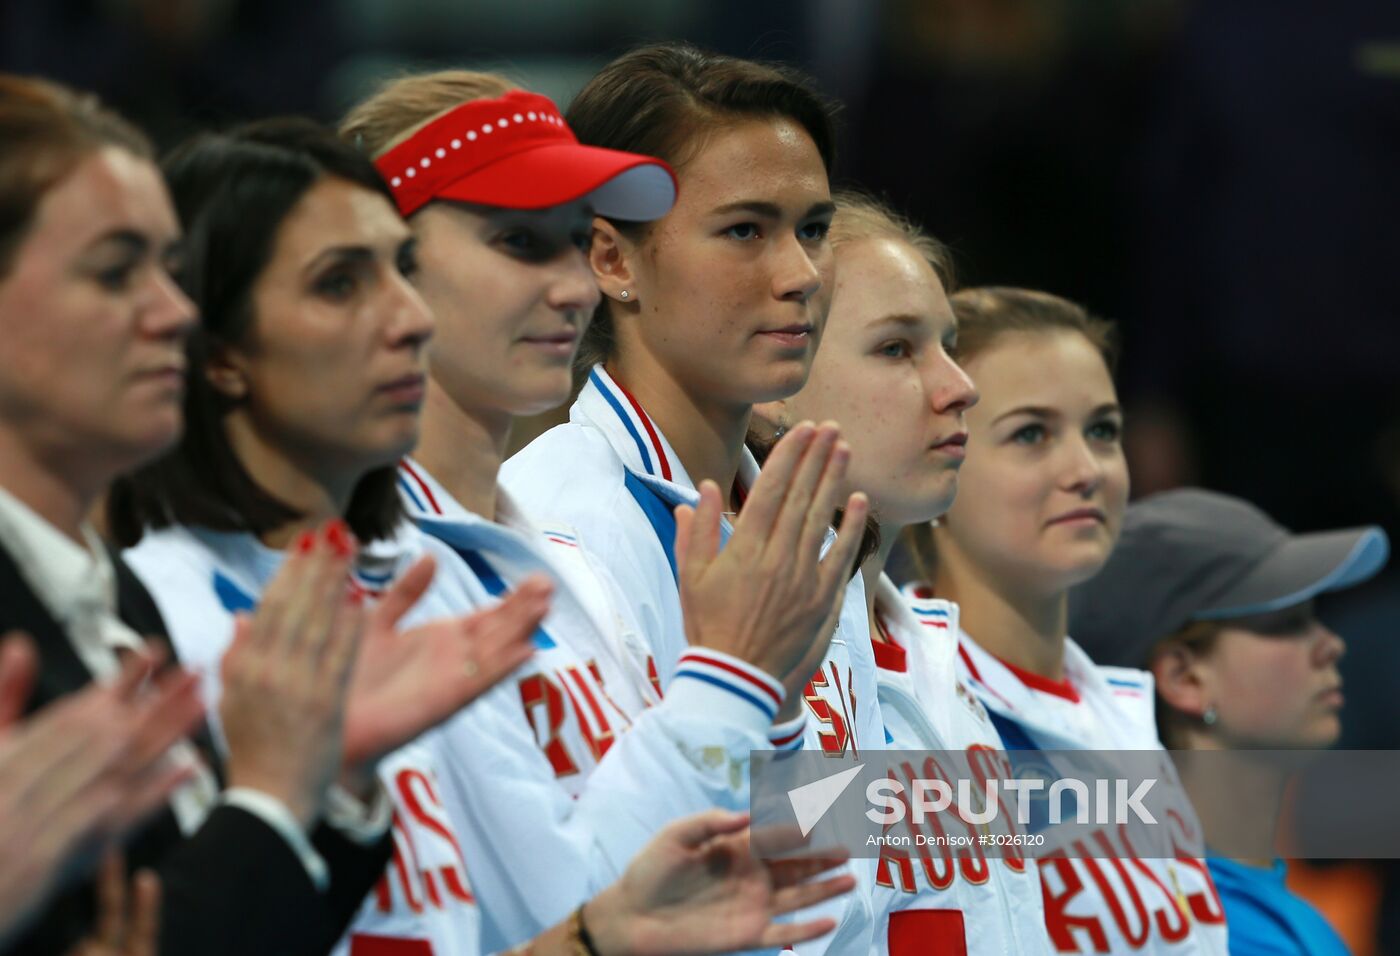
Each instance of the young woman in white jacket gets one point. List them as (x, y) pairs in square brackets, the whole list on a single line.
[(565, 772), (887, 372), (1040, 503), (714, 307)]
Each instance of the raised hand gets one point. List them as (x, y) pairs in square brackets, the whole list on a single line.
[(286, 675), (408, 682), (768, 597), (124, 929), (697, 888), (83, 770)]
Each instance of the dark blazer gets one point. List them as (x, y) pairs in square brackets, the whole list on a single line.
[(233, 887)]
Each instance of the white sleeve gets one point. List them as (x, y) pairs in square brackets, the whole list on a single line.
[(534, 852)]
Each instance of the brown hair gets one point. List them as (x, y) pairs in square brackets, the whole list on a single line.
[(665, 100), (1199, 638), (984, 315), (46, 130), (989, 312), (235, 191), (402, 106), (860, 215)]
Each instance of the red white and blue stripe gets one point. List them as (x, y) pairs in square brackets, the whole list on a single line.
[(931, 617), (560, 537), (416, 487), (788, 735), (735, 676), (650, 448), (1126, 688)]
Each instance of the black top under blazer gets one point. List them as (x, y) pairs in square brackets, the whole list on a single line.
[(233, 887)]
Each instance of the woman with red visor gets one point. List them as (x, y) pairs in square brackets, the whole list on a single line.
[(559, 778)]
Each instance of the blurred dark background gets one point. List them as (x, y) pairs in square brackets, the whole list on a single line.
[(1221, 177)]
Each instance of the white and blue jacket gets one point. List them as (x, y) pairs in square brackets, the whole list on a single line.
[(972, 902), (565, 770), (1116, 903), (610, 476), (199, 580)]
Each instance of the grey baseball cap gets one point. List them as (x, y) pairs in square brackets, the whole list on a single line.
[(1194, 555)]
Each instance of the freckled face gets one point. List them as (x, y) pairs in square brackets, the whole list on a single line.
[(732, 286), (885, 373)]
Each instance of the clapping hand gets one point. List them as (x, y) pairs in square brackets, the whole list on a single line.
[(84, 769), (697, 888), (769, 597), (408, 682)]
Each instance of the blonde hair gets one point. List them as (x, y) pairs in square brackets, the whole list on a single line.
[(403, 106), (860, 215)]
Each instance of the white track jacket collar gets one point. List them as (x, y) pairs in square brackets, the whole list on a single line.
[(564, 771), (199, 580), (610, 475)]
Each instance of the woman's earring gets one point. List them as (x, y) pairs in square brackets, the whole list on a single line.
[(1209, 717), (624, 295)]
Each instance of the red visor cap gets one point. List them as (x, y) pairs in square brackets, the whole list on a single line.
[(516, 152)]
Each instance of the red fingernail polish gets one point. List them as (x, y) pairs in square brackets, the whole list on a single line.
[(339, 537), (304, 542)]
